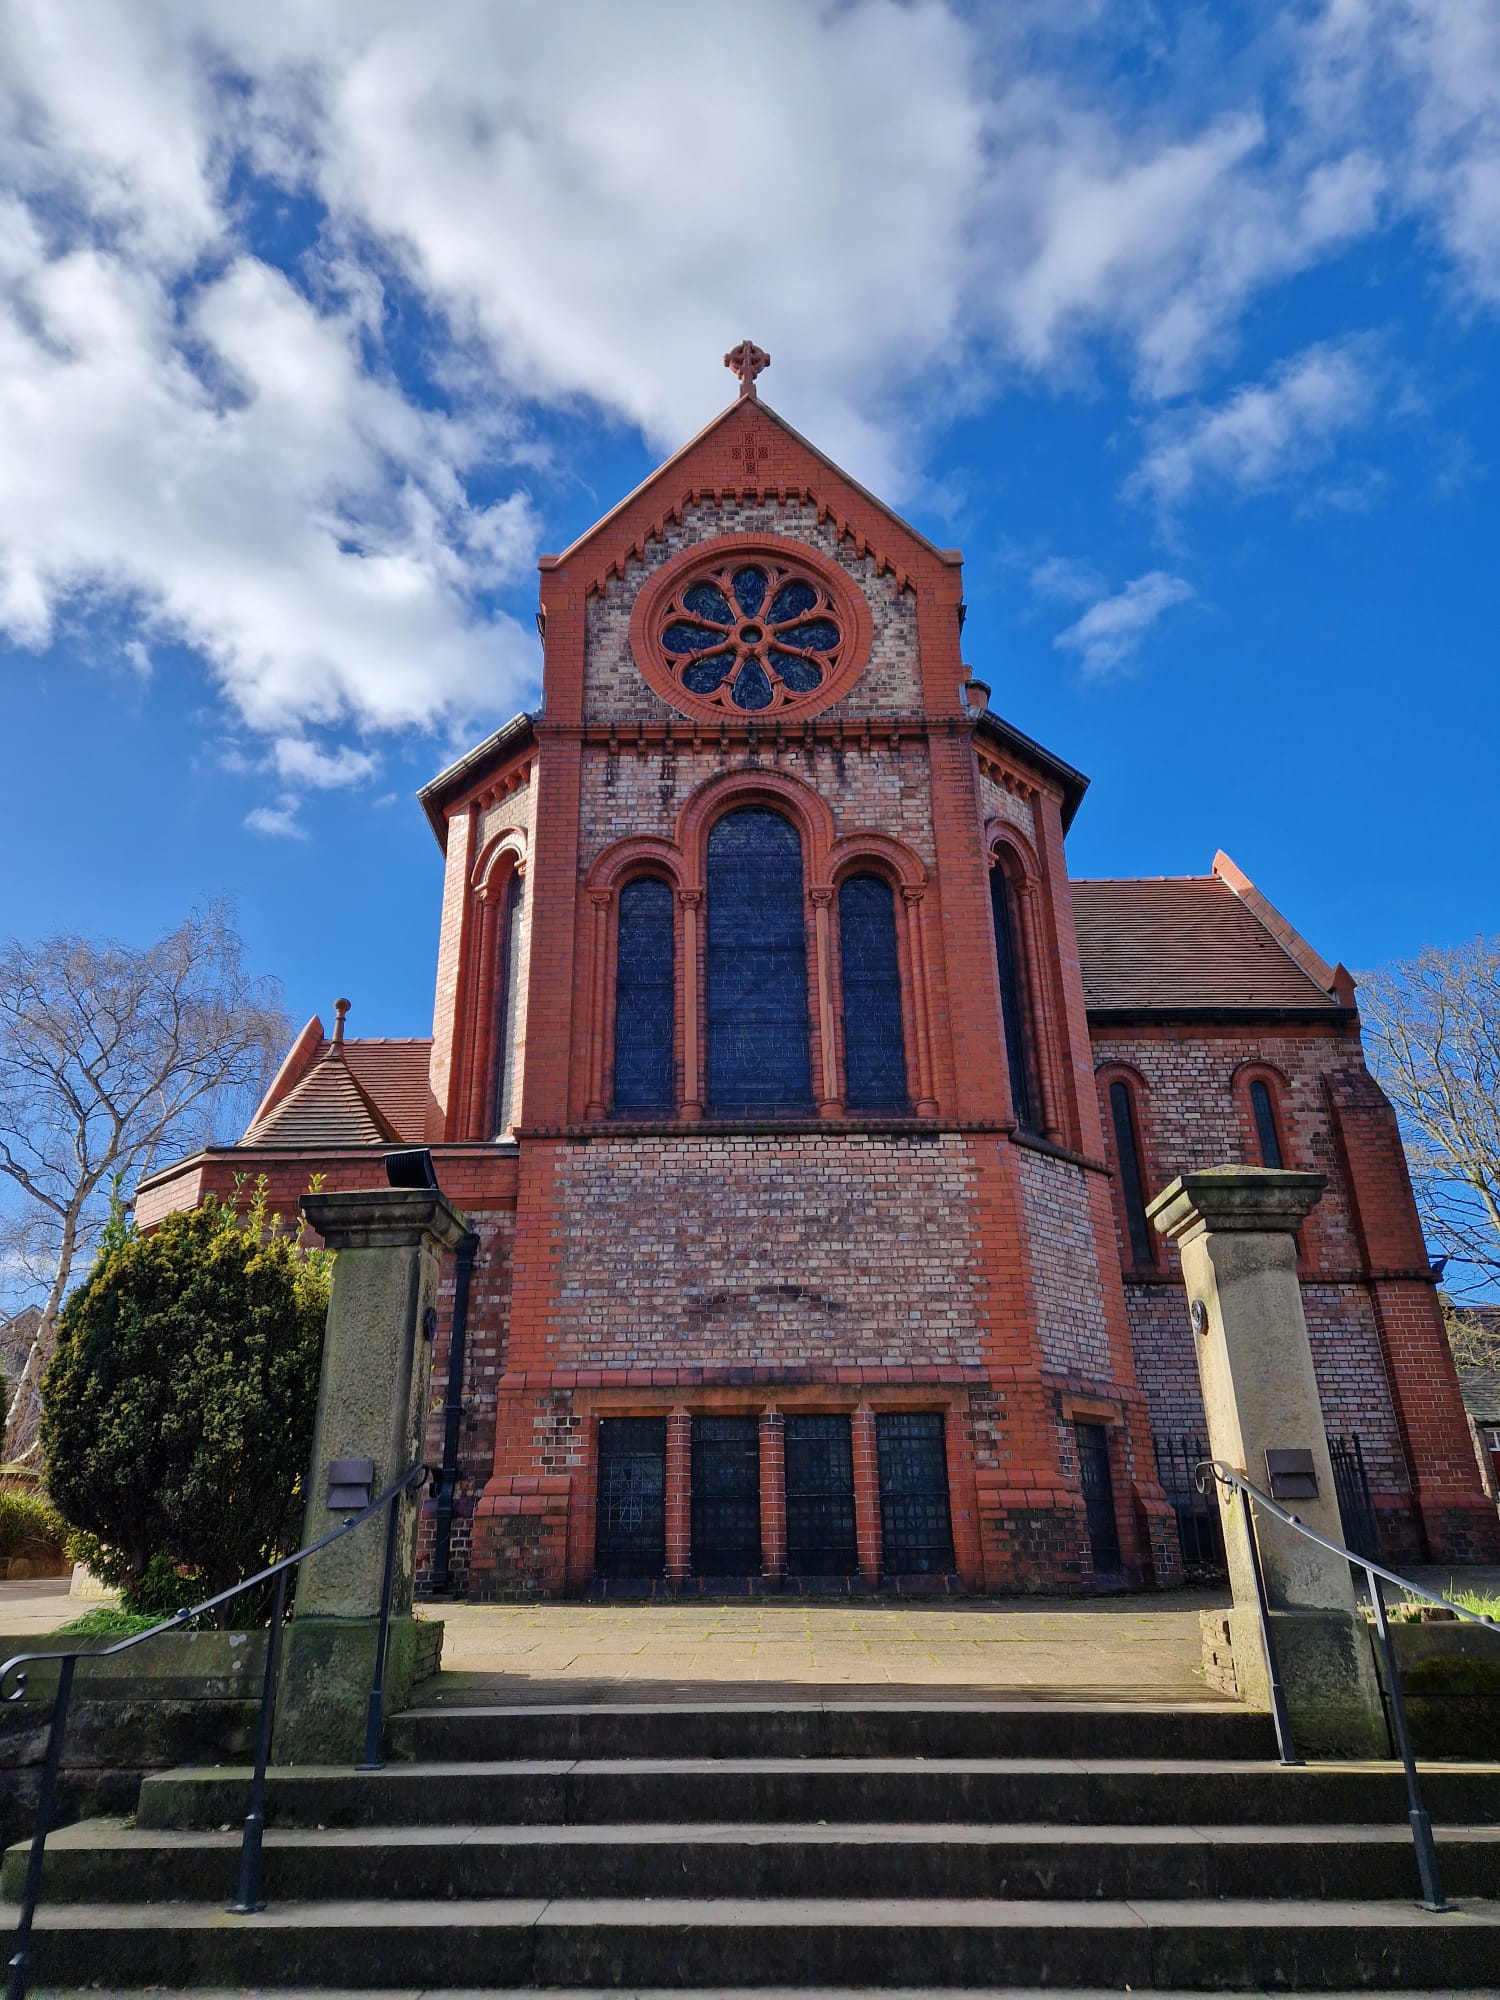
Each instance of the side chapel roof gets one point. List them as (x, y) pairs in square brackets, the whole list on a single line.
[(369, 1092), (1196, 944)]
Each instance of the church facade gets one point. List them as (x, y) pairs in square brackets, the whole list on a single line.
[(806, 1112)]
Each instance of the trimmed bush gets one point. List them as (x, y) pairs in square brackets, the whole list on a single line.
[(179, 1406), (30, 1528)]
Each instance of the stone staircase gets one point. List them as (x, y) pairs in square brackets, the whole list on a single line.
[(716, 1847)]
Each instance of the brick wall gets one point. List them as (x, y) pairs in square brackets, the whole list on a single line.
[(1064, 1265)]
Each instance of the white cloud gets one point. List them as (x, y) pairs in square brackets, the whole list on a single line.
[(298, 762), (1067, 580), (1109, 634), (279, 821), (906, 201), (1265, 432)]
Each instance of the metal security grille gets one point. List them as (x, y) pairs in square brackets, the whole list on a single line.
[(820, 1537), (1199, 1530), (874, 1054), (726, 1496), (1352, 1486), (915, 1523), (757, 966), (630, 1534), (1098, 1497)]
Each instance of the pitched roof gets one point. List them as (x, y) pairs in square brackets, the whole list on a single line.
[(396, 1073), (1191, 944), (327, 1106)]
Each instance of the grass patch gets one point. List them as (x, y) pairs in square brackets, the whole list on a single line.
[(107, 1621)]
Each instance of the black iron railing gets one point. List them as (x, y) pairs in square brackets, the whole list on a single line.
[(1375, 1574), (13, 1681)]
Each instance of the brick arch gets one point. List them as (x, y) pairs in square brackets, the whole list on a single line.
[(806, 808), (636, 854), (1278, 1085), (1005, 843), (879, 854), (504, 852)]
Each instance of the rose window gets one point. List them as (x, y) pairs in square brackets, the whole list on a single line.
[(752, 634)]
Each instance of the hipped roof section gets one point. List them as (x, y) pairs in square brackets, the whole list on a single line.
[(359, 1092)]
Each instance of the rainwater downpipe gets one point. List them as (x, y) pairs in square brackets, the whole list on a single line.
[(453, 1410)]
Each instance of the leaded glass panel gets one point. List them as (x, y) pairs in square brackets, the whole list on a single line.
[(757, 966), (1265, 1124), (726, 1496), (1128, 1158), (630, 1527), (874, 1050), (1012, 1006), (644, 992), (820, 1535)]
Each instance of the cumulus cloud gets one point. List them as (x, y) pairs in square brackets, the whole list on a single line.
[(1264, 432), (307, 463), (1109, 634)]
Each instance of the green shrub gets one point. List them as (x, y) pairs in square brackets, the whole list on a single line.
[(30, 1528), (179, 1406)]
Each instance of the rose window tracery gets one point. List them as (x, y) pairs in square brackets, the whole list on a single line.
[(752, 634)]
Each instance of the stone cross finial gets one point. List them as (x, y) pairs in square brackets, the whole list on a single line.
[(747, 360)]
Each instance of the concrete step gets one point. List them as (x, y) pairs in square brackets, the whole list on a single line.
[(1142, 1944), (970, 1791), (460, 1732), (108, 1861)]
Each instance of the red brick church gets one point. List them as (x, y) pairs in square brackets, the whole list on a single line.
[(806, 1111)]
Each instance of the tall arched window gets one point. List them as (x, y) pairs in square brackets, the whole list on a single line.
[(1012, 1001), (643, 998), (508, 1005), (874, 1050), (1264, 1112), (756, 966), (1128, 1160)]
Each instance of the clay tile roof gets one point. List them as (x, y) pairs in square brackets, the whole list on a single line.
[(327, 1107), (1183, 943), (397, 1075)]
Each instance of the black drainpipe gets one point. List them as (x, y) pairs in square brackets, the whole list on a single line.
[(453, 1410)]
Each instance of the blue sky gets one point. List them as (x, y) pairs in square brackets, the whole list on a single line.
[(317, 327)]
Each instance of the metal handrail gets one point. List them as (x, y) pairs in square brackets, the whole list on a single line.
[(1432, 1897), (248, 1897)]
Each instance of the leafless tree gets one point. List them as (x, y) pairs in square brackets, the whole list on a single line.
[(1432, 1030), (112, 1060)]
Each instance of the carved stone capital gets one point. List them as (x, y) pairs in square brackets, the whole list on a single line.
[(821, 898), (690, 899)]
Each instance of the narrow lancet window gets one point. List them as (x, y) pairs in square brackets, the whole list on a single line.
[(1267, 1137), (1012, 1001), (1128, 1159), (874, 1049), (643, 998), (508, 1006), (757, 967)]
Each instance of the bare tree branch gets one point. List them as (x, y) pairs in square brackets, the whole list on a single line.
[(1432, 1032), (112, 1057)]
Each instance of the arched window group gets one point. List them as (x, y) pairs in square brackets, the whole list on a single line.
[(758, 1054)]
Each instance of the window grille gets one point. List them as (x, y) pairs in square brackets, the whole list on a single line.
[(916, 1526), (644, 991), (874, 1048), (1098, 1497), (820, 1535), (757, 967), (726, 1496), (630, 1533)]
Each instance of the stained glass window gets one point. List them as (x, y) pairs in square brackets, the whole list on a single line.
[(508, 1006), (1012, 1004), (757, 966), (1265, 1124), (643, 998), (874, 1051), (1128, 1159), (751, 635)]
